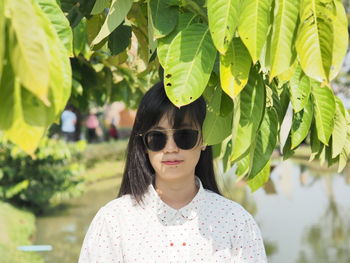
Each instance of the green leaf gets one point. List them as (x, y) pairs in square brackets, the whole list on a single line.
[(265, 143), (164, 17), (29, 56), (324, 108), (299, 89), (254, 22), (287, 148), (234, 68), (184, 20), (54, 13), (223, 19), (190, 62), (301, 124), (215, 127), (243, 166), (315, 144), (120, 39), (315, 38), (60, 72), (344, 155), (340, 130), (2, 33), (248, 111), (284, 32), (100, 6), (152, 42), (117, 13), (80, 38), (340, 39), (261, 178)]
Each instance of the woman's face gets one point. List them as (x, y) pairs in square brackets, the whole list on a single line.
[(173, 163)]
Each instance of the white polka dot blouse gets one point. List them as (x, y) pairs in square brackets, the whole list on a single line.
[(210, 228)]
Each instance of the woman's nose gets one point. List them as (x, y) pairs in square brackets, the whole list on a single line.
[(170, 145)]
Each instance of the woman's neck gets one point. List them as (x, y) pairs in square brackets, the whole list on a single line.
[(176, 193)]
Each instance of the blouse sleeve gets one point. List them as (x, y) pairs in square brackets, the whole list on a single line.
[(102, 241), (248, 246)]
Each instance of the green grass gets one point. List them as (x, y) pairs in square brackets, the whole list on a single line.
[(17, 228)]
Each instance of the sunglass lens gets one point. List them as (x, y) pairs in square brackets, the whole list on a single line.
[(185, 138), (155, 140)]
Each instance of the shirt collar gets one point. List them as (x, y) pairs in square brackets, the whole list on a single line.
[(168, 214)]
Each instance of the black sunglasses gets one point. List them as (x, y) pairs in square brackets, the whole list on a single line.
[(155, 140)]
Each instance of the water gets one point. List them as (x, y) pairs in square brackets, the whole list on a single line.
[(307, 220)]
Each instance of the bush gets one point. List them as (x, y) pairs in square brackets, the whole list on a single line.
[(39, 182)]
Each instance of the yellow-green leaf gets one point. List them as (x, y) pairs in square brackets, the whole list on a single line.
[(340, 40), (59, 22), (117, 13), (30, 56), (283, 37), (315, 38), (99, 6), (324, 108), (299, 89), (223, 19), (340, 130), (234, 68), (190, 62), (254, 22), (261, 178)]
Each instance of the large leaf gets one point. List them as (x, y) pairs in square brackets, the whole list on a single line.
[(340, 130), (248, 111), (216, 127), (283, 37), (30, 56), (265, 142), (234, 68), (299, 89), (315, 38), (301, 124), (164, 17), (324, 108), (223, 19), (60, 73), (254, 22), (117, 12), (80, 36), (190, 62), (59, 21), (184, 20), (340, 40), (261, 178)]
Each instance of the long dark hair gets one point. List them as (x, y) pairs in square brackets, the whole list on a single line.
[(138, 172)]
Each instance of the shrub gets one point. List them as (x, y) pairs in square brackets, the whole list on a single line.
[(38, 182)]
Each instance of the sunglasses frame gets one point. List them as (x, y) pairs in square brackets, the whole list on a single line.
[(166, 131)]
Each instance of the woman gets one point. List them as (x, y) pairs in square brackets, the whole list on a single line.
[(169, 208)]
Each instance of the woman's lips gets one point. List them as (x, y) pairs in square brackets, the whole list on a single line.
[(172, 162)]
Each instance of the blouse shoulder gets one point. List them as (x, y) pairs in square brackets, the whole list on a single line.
[(229, 207)]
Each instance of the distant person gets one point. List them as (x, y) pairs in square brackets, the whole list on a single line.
[(68, 122), (113, 131), (92, 125)]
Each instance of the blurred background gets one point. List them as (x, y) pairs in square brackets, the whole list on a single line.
[(303, 210)]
